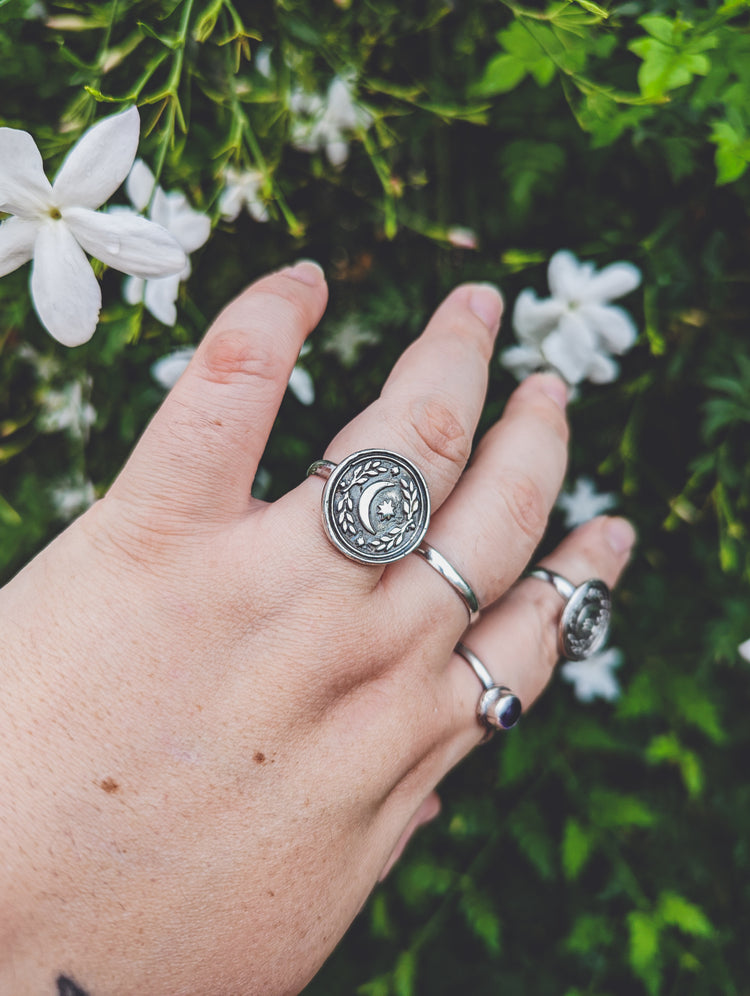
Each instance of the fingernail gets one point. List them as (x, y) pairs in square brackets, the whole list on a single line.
[(486, 302), (554, 388), (307, 271), (620, 535)]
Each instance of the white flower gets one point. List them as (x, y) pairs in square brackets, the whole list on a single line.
[(462, 238), (576, 330), (744, 650), (242, 189), (583, 503), (189, 227), (348, 340), (45, 366), (67, 410), (168, 370), (593, 678), (70, 498), (324, 123), (57, 224)]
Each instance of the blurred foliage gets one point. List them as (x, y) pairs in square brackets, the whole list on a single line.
[(598, 849)]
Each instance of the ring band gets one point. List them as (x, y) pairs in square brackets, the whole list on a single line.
[(459, 584), (584, 622), (375, 505), (498, 708)]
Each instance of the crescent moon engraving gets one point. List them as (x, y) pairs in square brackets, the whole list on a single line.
[(365, 501)]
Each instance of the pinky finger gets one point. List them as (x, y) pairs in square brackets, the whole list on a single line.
[(516, 639)]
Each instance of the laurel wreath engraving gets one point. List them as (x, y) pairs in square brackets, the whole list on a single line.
[(394, 536), (361, 473), (344, 511)]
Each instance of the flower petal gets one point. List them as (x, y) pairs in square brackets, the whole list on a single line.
[(132, 290), (533, 319), (522, 360), (337, 152), (160, 298), (139, 185), (191, 228), (231, 201), (567, 278), (64, 290), (602, 369), (301, 385), (168, 370), (24, 189), (570, 348), (17, 237), (127, 242), (613, 281), (613, 325), (98, 162)]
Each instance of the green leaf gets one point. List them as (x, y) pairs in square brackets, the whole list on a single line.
[(207, 21), (533, 838), (644, 949), (576, 849), (671, 58), (405, 974), (676, 911), (732, 154), (666, 748), (501, 74), (8, 515), (593, 8), (613, 810), (590, 931), (659, 27), (480, 914)]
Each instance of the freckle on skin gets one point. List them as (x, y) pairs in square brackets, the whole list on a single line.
[(259, 757), (109, 785)]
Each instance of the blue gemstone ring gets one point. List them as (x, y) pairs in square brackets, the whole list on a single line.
[(498, 707)]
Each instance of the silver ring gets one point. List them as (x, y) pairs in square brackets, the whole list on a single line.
[(459, 584), (498, 708), (376, 506), (584, 622)]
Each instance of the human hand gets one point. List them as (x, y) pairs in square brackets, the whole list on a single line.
[(215, 730)]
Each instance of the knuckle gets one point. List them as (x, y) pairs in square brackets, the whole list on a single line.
[(440, 435), (233, 356), (526, 505)]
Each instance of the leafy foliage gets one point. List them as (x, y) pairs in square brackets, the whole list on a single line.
[(612, 839)]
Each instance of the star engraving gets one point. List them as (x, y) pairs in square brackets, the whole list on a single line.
[(385, 509)]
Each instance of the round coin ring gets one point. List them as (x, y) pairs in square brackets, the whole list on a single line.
[(376, 507), (584, 624)]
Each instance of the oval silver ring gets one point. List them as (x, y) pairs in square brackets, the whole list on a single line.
[(376, 506), (584, 623)]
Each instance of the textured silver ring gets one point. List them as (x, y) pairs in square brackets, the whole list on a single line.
[(498, 708), (584, 623), (376, 506), (459, 584)]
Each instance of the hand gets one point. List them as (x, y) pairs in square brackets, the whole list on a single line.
[(215, 729)]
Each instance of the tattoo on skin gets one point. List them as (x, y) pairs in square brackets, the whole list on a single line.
[(66, 987)]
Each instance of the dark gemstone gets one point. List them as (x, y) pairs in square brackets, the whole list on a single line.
[(510, 712)]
